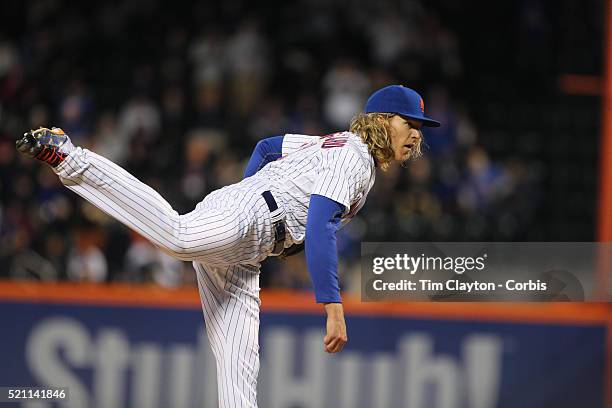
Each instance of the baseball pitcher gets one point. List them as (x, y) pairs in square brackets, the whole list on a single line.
[(297, 191)]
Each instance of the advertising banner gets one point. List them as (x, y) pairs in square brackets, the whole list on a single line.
[(125, 355)]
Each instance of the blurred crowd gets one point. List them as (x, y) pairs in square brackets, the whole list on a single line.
[(179, 95)]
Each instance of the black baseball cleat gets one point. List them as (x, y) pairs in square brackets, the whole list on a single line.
[(48, 145)]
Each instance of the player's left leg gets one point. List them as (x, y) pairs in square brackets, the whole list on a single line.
[(230, 302)]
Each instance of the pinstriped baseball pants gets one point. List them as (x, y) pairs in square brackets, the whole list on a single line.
[(225, 236), (231, 312)]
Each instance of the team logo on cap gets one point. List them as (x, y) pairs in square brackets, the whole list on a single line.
[(422, 104)]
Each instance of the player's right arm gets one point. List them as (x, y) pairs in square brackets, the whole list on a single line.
[(323, 220), (322, 261), (339, 183)]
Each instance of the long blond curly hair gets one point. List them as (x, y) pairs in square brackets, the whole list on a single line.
[(375, 131)]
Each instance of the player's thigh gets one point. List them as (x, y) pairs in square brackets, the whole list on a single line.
[(229, 288), (214, 234), (230, 302)]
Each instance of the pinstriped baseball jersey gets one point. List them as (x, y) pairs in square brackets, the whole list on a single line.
[(338, 166)]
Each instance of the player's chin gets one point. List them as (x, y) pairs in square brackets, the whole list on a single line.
[(405, 155), (414, 153), (409, 155)]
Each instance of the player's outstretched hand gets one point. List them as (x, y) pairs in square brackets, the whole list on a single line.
[(336, 337)]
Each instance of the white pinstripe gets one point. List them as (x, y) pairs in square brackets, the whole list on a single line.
[(230, 302), (344, 174), (228, 234)]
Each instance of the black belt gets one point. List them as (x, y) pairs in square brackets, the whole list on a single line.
[(278, 223)]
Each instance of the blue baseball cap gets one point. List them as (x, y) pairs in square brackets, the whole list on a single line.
[(400, 100)]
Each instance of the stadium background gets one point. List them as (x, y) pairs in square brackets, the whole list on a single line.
[(179, 93)]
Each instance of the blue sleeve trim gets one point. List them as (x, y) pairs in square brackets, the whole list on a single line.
[(321, 249), (266, 150)]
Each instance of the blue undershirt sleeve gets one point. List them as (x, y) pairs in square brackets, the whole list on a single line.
[(321, 249), (266, 150)]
